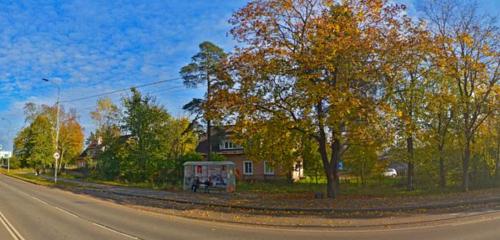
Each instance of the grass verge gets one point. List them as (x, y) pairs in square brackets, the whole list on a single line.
[(28, 176)]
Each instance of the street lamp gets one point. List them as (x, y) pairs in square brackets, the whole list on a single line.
[(56, 154), (8, 134)]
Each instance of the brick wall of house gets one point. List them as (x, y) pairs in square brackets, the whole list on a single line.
[(234, 153), (258, 169)]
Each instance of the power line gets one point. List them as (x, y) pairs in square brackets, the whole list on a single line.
[(165, 89), (158, 91), (120, 90)]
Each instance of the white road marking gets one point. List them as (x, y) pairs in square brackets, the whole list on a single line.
[(73, 215), (489, 215), (12, 231)]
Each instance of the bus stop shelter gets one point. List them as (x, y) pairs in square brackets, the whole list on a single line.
[(218, 174)]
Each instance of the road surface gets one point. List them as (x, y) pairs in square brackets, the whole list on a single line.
[(31, 212)]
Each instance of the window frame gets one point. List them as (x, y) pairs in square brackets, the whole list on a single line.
[(266, 164), (228, 145), (245, 168)]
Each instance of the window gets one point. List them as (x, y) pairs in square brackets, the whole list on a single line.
[(248, 168), (268, 168), (226, 144)]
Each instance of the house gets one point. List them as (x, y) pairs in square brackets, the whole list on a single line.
[(245, 168), (91, 152)]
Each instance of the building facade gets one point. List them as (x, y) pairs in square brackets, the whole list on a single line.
[(247, 169)]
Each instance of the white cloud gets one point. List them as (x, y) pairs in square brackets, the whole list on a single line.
[(96, 46)]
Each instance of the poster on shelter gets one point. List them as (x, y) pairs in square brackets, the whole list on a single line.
[(209, 174), (217, 175)]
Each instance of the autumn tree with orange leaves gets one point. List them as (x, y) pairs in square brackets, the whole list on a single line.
[(71, 138), (34, 144), (318, 67)]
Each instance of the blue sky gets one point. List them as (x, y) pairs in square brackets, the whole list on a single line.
[(94, 46)]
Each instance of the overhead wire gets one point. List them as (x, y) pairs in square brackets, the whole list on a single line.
[(153, 92), (119, 90)]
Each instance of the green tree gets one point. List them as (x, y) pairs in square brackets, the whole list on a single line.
[(21, 148), (106, 138), (361, 160), (311, 158), (439, 117), (34, 145), (142, 143), (154, 140), (40, 144), (110, 153), (204, 69), (409, 68), (468, 44)]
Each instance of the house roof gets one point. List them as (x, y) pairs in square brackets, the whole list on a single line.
[(94, 148), (218, 134)]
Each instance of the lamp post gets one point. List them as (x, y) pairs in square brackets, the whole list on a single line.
[(8, 134), (56, 154)]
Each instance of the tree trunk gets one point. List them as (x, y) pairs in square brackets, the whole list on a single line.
[(362, 177), (329, 173), (331, 191), (60, 161), (209, 139), (465, 166), (442, 173), (409, 146), (335, 163), (330, 168), (209, 122), (497, 162), (327, 167)]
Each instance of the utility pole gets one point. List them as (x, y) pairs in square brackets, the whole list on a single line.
[(56, 154)]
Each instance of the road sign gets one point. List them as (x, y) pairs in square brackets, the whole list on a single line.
[(56, 155)]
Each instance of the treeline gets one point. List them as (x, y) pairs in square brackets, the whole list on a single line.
[(357, 82), (139, 141), (35, 144)]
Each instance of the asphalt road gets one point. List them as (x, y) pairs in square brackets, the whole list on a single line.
[(31, 212)]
